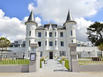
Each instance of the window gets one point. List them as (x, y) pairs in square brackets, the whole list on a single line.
[(29, 33), (55, 43), (39, 34), (29, 42), (50, 34), (50, 43), (45, 43), (39, 43), (55, 34), (61, 34), (71, 33), (72, 41), (41, 54), (62, 43), (62, 53)]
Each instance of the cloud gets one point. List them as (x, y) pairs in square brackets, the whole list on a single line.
[(57, 9), (11, 28), (31, 7), (81, 28), (38, 20)]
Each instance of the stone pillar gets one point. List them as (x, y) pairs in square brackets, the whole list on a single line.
[(37, 61), (74, 65), (33, 58)]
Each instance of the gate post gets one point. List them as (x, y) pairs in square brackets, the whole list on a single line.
[(74, 65), (33, 58)]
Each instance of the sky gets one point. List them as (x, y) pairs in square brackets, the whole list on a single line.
[(14, 13)]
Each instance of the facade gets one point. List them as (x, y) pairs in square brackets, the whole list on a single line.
[(83, 49), (52, 39), (18, 43), (89, 52)]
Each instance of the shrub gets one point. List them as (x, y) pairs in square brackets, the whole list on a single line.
[(66, 62), (42, 59)]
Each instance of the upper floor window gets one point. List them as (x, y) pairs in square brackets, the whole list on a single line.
[(71, 33), (50, 43), (29, 42), (55, 34), (61, 34), (29, 33), (50, 34), (39, 34), (62, 43), (55, 43), (39, 43)]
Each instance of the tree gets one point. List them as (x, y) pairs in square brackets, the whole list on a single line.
[(100, 47), (4, 43), (95, 33)]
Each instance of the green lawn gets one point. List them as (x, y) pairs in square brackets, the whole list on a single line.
[(18, 61), (86, 62)]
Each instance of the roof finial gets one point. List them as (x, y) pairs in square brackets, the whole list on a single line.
[(31, 17), (69, 16)]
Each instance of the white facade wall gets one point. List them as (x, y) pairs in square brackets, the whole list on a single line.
[(89, 51), (67, 38)]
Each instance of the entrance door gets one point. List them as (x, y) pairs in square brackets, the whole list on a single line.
[(50, 55)]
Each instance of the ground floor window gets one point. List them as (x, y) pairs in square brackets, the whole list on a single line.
[(62, 53), (39, 43), (41, 54)]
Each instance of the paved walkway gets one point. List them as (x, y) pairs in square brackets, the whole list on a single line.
[(53, 74), (52, 65)]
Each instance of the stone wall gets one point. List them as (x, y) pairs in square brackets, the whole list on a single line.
[(14, 68)]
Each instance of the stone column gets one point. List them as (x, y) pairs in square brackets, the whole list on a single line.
[(37, 61), (74, 65), (33, 58)]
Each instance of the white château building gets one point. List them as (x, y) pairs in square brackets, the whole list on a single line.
[(52, 39)]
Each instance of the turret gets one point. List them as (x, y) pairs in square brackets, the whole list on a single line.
[(70, 25), (31, 26), (69, 19)]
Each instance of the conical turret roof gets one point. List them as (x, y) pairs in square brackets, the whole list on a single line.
[(69, 18), (31, 17)]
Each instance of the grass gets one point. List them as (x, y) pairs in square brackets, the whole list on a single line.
[(18, 61), (85, 62)]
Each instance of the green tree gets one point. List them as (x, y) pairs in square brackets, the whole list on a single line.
[(100, 47), (95, 33), (4, 43)]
